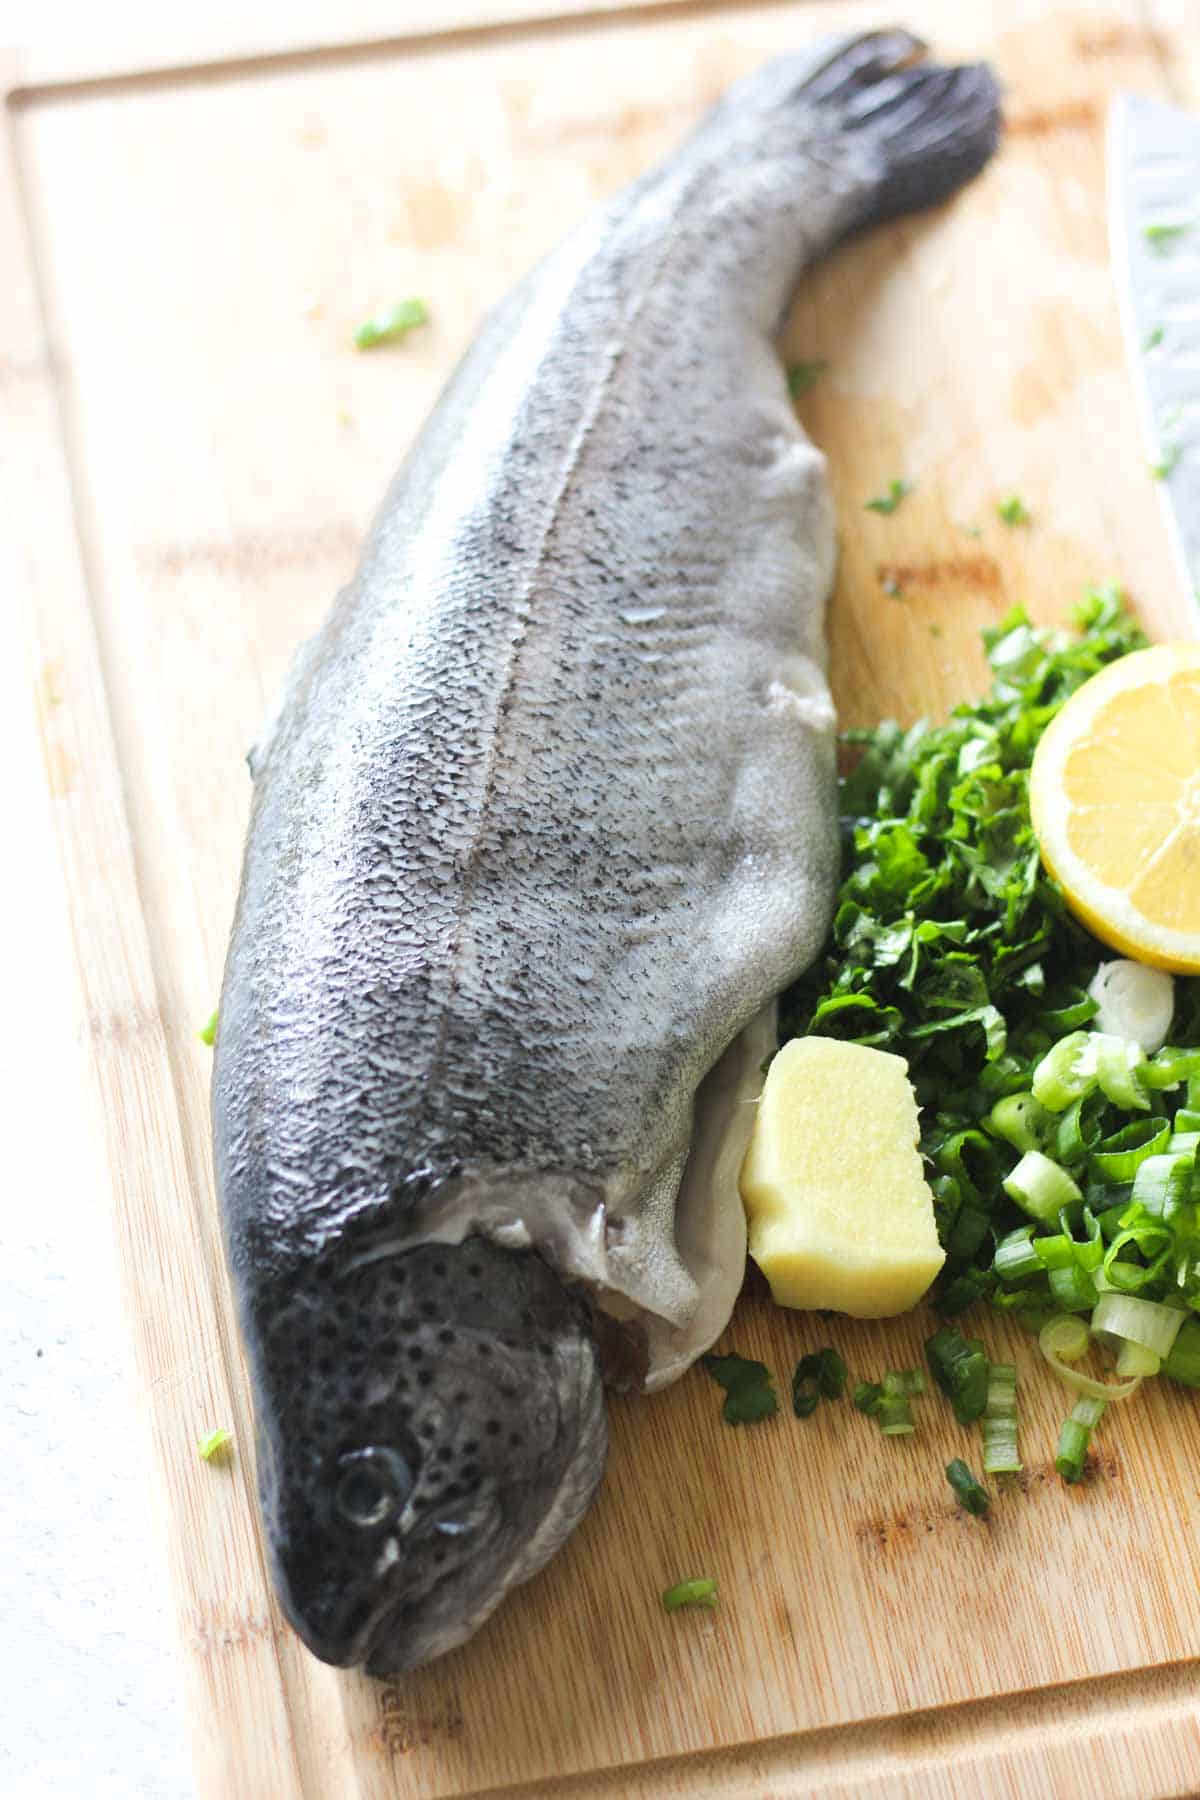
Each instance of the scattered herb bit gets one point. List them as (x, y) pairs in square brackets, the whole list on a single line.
[(887, 503), (1162, 237), (935, 631), (887, 1401), (969, 1492), (821, 1375), (215, 1444), (700, 1591), (1000, 1421), (749, 1395), (1013, 511), (1168, 462), (1153, 338), (1075, 1438), (804, 375), (960, 1368), (392, 325), (208, 1033)]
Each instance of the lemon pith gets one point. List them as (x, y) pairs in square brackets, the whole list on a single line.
[(1114, 794)]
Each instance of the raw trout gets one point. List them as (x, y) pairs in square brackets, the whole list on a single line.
[(544, 821)]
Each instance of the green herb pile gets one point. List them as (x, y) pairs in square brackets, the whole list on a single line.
[(951, 947)]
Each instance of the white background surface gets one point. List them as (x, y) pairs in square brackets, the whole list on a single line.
[(90, 1703), (91, 1700)]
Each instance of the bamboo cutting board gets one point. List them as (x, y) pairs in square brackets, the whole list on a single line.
[(189, 232)]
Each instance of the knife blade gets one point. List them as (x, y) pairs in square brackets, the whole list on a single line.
[(1153, 162)]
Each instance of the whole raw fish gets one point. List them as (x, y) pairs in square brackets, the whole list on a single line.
[(545, 820)]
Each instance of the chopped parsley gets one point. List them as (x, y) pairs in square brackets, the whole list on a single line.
[(1161, 237), (1168, 462), (1013, 511), (208, 1033), (1153, 338), (392, 325), (897, 490), (749, 1395)]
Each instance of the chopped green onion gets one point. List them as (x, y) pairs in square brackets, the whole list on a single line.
[(1153, 338), (1119, 1062), (1135, 1359), (1075, 1436), (1164, 1183), (749, 1395), (701, 1590), (214, 1444), (1000, 1421), (1069, 1017), (1187, 1120), (897, 489), (1183, 1363), (1079, 1131), (1117, 1158), (1056, 1252), (1040, 1187), (208, 1033), (803, 375), (904, 1381), (969, 1492), (960, 1368), (1170, 1067), (1065, 1340), (1066, 1073), (1145, 1322), (887, 1401), (1016, 1256), (962, 1291), (1013, 511), (1073, 1289), (1020, 1121), (392, 325)]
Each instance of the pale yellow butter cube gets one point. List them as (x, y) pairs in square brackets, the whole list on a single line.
[(840, 1213)]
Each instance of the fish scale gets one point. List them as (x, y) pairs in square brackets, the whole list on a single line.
[(543, 822)]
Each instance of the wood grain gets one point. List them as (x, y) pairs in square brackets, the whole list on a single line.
[(191, 451)]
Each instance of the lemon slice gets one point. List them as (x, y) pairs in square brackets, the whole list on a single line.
[(1115, 797)]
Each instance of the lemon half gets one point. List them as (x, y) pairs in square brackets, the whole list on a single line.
[(1115, 796)]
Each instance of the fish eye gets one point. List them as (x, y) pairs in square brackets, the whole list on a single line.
[(372, 1486)]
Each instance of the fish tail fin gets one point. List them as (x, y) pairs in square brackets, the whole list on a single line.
[(929, 128)]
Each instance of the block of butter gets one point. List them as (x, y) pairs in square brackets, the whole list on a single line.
[(840, 1213)]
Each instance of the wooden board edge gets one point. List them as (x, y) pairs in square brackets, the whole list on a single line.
[(50, 623), (1135, 1735), (181, 42)]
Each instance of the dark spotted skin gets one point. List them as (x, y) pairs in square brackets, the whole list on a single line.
[(546, 816), (473, 1366)]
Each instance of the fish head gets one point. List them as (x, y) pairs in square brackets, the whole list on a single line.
[(431, 1427)]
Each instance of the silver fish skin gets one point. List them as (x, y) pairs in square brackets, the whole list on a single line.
[(546, 817)]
